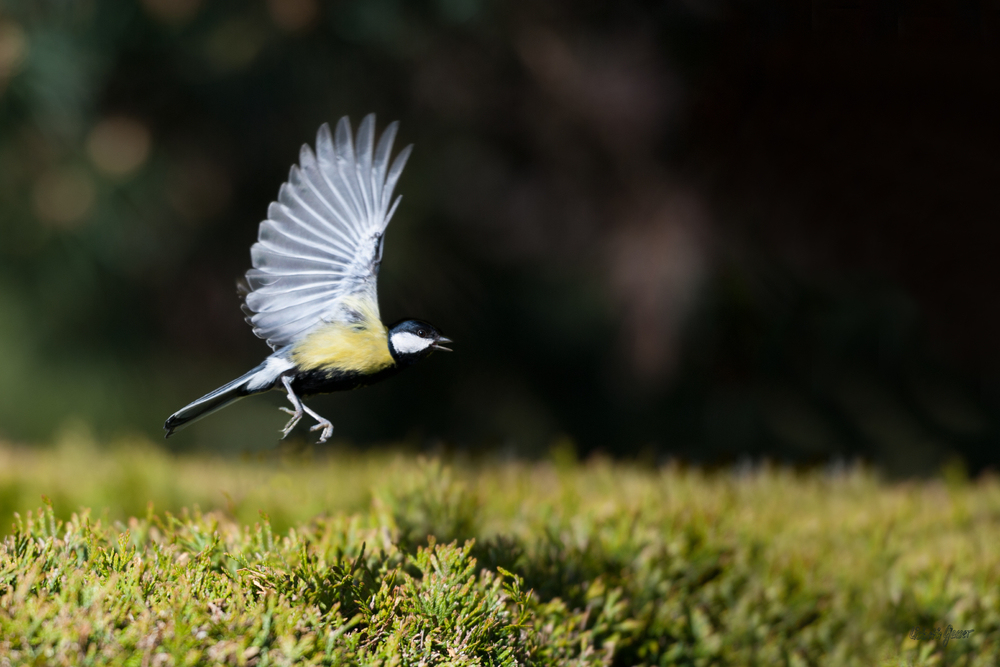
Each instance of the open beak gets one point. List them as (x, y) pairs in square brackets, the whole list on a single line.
[(438, 346)]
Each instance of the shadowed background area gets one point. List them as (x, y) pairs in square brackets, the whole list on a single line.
[(699, 229)]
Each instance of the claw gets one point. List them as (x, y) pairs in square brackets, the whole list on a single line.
[(327, 431), (321, 423), (296, 417)]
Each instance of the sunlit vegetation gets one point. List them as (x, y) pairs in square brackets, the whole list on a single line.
[(138, 557)]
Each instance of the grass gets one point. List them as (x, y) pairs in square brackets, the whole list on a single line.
[(389, 558)]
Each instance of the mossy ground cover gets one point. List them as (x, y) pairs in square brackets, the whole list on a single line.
[(391, 558)]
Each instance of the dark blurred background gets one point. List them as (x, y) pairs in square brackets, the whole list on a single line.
[(703, 229)]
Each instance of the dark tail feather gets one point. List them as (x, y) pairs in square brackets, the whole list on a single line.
[(214, 401)]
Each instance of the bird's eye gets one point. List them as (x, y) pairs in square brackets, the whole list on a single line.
[(421, 333)]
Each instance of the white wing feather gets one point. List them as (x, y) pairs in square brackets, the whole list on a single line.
[(322, 240)]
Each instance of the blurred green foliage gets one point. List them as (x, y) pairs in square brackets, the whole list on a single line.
[(587, 213), (403, 560)]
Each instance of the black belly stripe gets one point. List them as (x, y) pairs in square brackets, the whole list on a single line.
[(325, 381)]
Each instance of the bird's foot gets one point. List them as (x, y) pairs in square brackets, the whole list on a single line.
[(296, 417), (321, 423), (327, 431)]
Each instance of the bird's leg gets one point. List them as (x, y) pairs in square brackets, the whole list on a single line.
[(296, 403), (296, 414), (321, 423)]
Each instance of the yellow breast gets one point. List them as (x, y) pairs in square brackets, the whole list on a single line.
[(361, 346)]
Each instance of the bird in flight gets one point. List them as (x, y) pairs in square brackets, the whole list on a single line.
[(311, 293)]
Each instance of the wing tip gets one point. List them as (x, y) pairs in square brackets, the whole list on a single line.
[(343, 128), (324, 142), (306, 155)]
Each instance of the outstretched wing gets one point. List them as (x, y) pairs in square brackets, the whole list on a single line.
[(322, 240)]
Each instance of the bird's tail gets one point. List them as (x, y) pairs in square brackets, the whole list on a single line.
[(258, 380)]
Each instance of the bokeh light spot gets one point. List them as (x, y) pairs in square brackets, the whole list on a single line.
[(172, 11), (292, 15), (63, 197), (13, 48), (119, 145)]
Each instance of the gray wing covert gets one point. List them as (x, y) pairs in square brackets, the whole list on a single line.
[(322, 240)]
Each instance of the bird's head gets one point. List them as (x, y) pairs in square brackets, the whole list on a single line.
[(411, 340)]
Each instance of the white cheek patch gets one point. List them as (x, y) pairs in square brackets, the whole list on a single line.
[(407, 343)]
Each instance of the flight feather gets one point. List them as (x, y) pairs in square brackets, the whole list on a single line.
[(322, 240)]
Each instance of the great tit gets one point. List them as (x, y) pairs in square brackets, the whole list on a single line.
[(311, 293)]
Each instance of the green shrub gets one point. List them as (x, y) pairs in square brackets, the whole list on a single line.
[(513, 564)]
